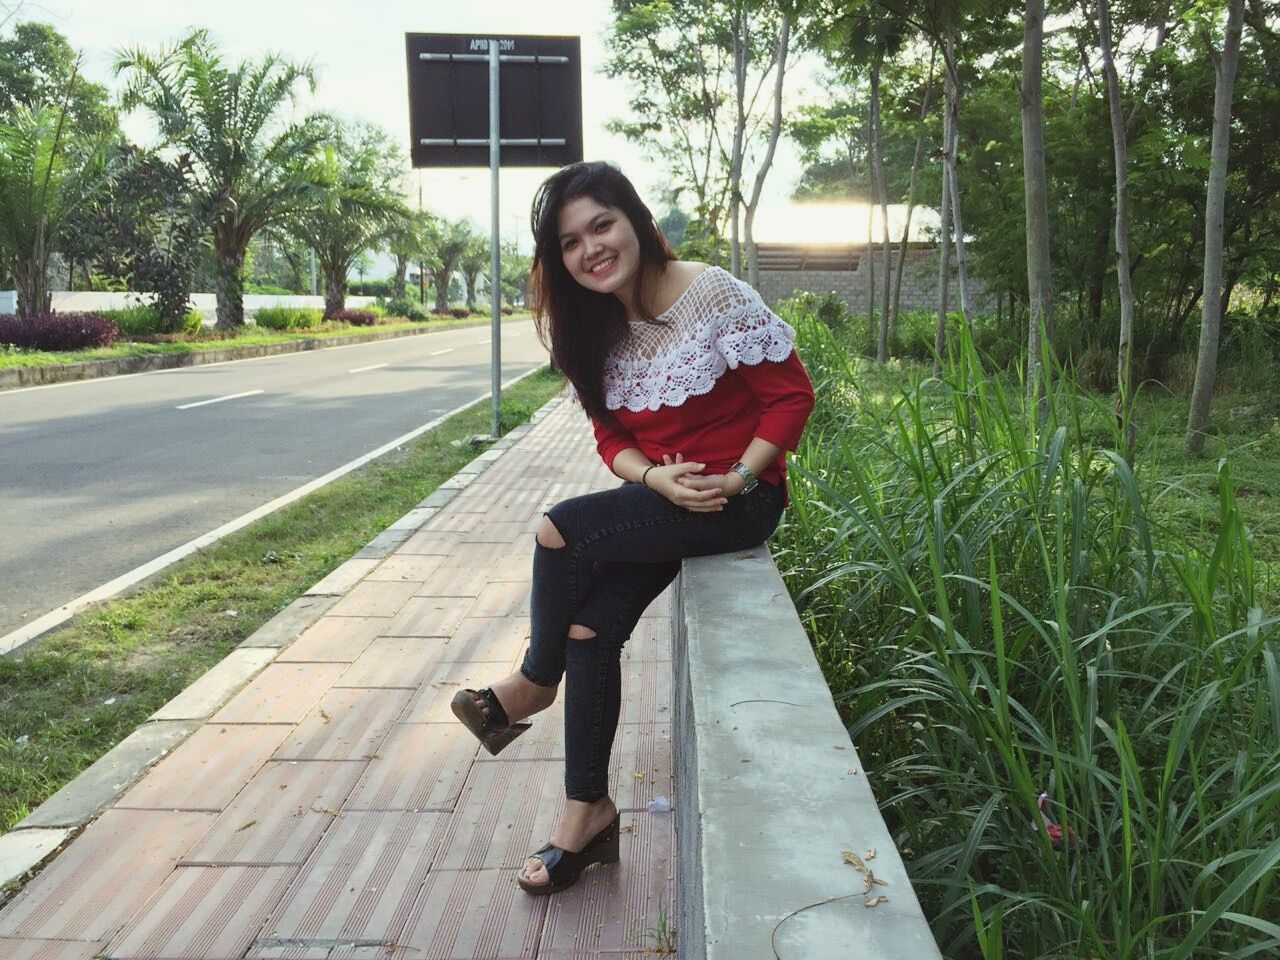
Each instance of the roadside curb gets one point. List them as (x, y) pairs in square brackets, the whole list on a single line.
[(42, 833), (12, 378)]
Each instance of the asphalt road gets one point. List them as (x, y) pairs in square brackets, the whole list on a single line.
[(99, 477)]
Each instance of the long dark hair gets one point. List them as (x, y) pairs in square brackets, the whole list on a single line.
[(580, 326)]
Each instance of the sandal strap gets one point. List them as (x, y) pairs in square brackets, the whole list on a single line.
[(497, 718)]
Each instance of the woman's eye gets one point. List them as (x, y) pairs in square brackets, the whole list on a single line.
[(568, 245), (603, 225)]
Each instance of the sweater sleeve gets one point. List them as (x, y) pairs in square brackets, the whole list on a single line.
[(757, 344), (611, 440)]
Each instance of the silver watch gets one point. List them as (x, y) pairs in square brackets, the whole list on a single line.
[(742, 470)]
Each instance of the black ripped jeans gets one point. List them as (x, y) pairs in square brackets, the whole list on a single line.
[(622, 548)]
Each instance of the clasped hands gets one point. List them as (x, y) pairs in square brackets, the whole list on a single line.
[(685, 485)]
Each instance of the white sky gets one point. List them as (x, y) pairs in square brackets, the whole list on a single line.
[(360, 54)]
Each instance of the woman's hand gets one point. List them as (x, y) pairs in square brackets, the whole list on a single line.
[(730, 484), (672, 480)]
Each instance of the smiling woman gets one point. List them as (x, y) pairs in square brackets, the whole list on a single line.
[(694, 391)]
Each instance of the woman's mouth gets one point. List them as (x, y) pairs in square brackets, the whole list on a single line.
[(604, 267)]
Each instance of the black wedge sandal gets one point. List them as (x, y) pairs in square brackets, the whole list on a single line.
[(564, 867), (493, 730)]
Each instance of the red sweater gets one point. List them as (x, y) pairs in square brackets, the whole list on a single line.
[(719, 372)]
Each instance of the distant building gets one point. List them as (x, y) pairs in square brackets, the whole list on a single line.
[(822, 247)]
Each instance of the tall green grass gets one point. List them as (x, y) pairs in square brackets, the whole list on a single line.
[(999, 617)]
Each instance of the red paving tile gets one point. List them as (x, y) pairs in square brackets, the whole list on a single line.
[(461, 915), (347, 724), (48, 949), (338, 810), (417, 568), (208, 769), (421, 766), (359, 885), (279, 816), (374, 598), (101, 879), (429, 616), (282, 693), (203, 913), (487, 638), (336, 639), (395, 662)]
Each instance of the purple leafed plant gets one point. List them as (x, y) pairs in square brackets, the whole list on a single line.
[(58, 331)]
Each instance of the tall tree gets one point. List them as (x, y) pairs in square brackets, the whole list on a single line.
[(446, 242), (771, 145), (475, 261), (36, 68), (1225, 62), (251, 168), (1036, 192), (356, 203), (44, 179)]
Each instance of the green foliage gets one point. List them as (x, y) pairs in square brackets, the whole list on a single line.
[(409, 309), (146, 320), (288, 318), (37, 67), (356, 202), (1000, 615), (250, 169), (45, 175)]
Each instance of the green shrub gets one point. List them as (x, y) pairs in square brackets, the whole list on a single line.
[(289, 318), (409, 309), (1009, 633), (144, 320)]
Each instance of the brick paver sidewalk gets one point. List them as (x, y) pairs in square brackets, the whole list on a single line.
[(335, 808)]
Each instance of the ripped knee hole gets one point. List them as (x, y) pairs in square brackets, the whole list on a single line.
[(548, 535), (578, 632)]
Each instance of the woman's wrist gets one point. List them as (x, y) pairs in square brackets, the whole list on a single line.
[(644, 477)]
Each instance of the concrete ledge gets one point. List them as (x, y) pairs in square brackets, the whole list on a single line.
[(81, 799), (217, 685), (769, 789), (14, 377)]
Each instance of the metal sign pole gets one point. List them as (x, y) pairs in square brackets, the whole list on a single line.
[(495, 262)]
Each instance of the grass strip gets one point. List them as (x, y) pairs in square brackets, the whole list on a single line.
[(67, 699), (249, 336)]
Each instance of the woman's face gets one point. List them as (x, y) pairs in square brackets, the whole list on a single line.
[(598, 244)]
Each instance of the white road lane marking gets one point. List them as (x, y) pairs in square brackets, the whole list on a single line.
[(35, 628), (372, 366), (490, 340), (448, 350), (205, 403)]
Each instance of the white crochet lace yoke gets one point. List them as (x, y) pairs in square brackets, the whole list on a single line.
[(717, 323)]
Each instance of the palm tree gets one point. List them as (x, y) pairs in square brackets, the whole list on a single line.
[(446, 241), (474, 261), (356, 206), (43, 180), (405, 244), (248, 175)]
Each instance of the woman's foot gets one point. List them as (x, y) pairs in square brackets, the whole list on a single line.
[(519, 696), (579, 824)]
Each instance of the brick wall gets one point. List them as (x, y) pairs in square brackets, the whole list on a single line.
[(919, 285)]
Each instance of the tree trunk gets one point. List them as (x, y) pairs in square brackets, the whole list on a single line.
[(911, 200), (1039, 275), (442, 291), (335, 292), (422, 283), (32, 287), (1215, 201), (775, 129), (944, 255), (471, 291), (229, 284), (397, 284), (739, 131), (871, 270), (957, 223), (882, 192), (1120, 150)]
